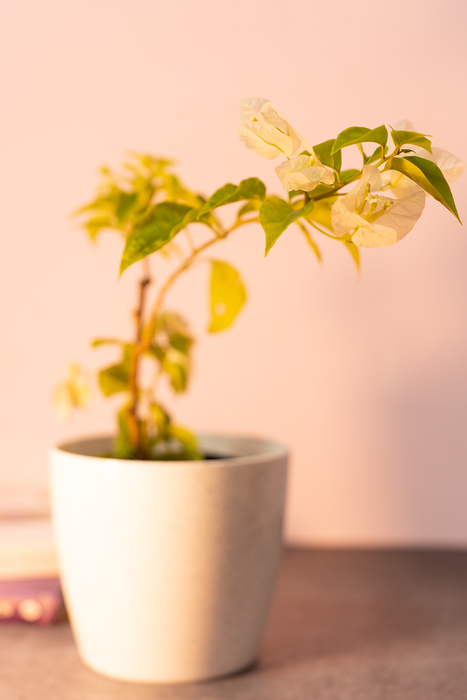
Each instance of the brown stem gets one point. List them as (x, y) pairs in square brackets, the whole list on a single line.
[(176, 273), (143, 342), (138, 349)]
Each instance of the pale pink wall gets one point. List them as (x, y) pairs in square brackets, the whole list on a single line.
[(367, 381)]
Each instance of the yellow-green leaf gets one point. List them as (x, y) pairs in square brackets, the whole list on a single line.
[(228, 295), (125, 203), (163, 222), (123, 446), (276, 215), (161, 419), (428, 176), (181, 342), (188, 441), (251, 188), (310, 241), (95, 225), (176, 365), (113, 379), (106, 341), (359, 134), (326, 156), (349, 175), (354, 252), (401, 137), (251, 205), (321, 213)]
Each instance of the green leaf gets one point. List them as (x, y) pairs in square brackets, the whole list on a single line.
[(310, 241), (172, 322), (251, 205), (181, 342), (354, 252), (324, 153), (221, 196), (319, 191), (295, 193), (347, 175), (156, 351), (375, 156), (114, 379), (97, 224), (167, 219), (359, 134), (125, 203), (276, 215), (412, 137), (176, 191), (273, 217), (426, 174), (187, 439), (171, 329), (321, 213), (101, 204), (177, 374), (106, 341), (176, 365), (228, 295), (161, 419), (123, 446), (251, 188)]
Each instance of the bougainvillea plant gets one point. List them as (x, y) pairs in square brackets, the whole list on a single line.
[(154, 213)]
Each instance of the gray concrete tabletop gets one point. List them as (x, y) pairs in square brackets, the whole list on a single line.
[(345, 625)]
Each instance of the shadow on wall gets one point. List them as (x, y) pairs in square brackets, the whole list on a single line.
[(428, 449)]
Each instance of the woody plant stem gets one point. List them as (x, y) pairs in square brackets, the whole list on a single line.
[(133, 425), (145, 333)]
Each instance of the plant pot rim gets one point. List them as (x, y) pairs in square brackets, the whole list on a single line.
[(239, 449)]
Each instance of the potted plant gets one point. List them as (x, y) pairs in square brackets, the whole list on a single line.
[(169, 542)]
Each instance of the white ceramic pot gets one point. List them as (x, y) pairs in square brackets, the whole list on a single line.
[(168, 568)]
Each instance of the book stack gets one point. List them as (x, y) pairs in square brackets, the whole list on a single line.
[(29, 584)]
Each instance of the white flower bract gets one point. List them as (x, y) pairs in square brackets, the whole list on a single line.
[(372, 220), (265, 131), (303, 173)]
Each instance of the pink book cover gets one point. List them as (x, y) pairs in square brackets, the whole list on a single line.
[(34, 600), (29, 584)]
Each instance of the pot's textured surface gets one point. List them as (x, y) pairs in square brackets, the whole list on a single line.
[(168, 568)]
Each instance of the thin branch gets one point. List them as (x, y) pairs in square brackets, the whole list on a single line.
[(189, 238), (176, 274), (133, 424)]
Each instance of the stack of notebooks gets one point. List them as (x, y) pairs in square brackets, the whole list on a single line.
[(29, 583)]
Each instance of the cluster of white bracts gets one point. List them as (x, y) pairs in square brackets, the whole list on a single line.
[(369, 218)]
